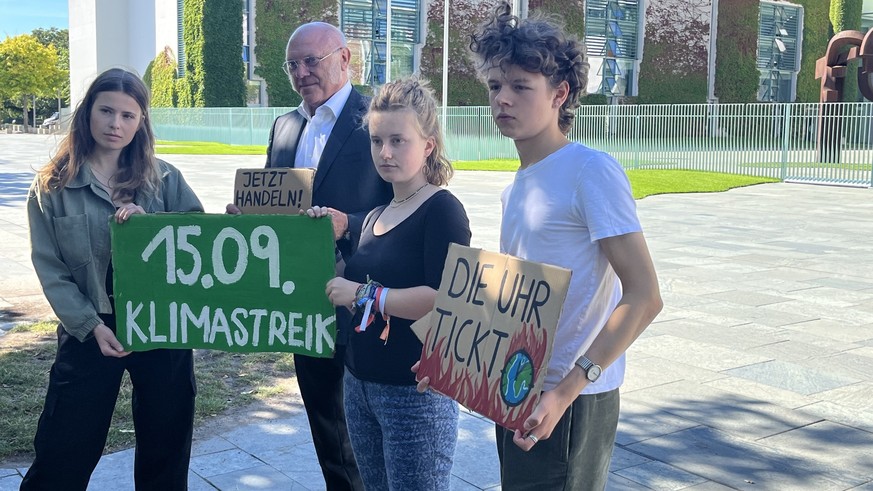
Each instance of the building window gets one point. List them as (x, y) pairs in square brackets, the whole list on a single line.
[(780, 31), (365, 24), (180, 39)]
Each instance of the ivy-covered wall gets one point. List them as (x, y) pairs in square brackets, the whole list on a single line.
[(161, 79), (276, 20), (736, 76), (674, 65), (816, 33), (192, 38), (465, 17), (214, 71), (183, 93), (222, 58)]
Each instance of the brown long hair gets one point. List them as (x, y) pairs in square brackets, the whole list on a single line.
[(137, 166)]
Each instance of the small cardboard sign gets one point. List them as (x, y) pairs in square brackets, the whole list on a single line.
[(488, 340), (274, 190), (239, 283)]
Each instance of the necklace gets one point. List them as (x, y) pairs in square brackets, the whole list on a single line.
[(98, 175), (398, 202)]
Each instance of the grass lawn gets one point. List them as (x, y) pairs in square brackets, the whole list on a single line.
[(207, 148), (647, 182), (226, 380), (650, 182)]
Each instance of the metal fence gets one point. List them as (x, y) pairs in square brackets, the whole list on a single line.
[(770, 140)]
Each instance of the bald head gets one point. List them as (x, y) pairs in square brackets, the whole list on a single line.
[(327, 45), (320, 30)]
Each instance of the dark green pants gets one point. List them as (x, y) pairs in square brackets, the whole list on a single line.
[(575, 457)]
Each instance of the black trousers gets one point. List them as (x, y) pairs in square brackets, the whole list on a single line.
[(321, 385), (82, 392)]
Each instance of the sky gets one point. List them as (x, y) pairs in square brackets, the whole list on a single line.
[(23, 16)]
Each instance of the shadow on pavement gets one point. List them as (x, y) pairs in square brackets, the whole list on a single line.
[(13, 187), (720, 442)]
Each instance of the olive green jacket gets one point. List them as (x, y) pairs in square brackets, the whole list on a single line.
[(69, 238)]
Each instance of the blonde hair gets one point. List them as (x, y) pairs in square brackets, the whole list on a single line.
[(416, 95)]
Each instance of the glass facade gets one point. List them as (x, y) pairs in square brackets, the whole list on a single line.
[(780, 37), (366, 23), (613, 33)]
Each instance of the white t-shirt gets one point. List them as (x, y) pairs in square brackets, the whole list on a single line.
[(554, 212)]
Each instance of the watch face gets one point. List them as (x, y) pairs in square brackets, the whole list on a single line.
[(594, 372)]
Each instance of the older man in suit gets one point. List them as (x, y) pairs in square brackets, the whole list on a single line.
[(326, 133)]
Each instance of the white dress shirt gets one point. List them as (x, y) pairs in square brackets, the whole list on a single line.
[(318, 128)]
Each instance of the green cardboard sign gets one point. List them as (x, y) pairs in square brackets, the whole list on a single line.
[(240, 283)]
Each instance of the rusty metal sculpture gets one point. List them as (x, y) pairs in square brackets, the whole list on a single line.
[(832, 69)]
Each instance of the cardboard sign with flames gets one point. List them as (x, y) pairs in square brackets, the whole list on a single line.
[(488, 340)]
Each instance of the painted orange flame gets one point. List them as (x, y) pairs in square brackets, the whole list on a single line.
[(482, 395)]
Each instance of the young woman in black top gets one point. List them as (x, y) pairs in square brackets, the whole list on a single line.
[(402, 439)]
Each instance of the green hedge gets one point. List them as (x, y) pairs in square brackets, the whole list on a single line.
[(736, 76), (183, 93), (212, 35), (222, 55), (192, 39)]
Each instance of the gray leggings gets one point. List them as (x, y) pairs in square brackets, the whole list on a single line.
[(575, 457), (402, 439)]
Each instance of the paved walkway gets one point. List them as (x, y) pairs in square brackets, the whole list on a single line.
[(757, 375)]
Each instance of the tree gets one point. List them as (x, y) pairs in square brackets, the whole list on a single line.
[(28, 69), (60, 39)]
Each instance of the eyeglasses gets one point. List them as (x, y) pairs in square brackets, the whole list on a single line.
[(291, 66)]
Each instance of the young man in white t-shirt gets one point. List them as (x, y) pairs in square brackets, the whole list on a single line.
[(569, 206)]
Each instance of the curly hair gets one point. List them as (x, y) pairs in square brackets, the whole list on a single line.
[(416, 95), (537, 44), (138, 169)]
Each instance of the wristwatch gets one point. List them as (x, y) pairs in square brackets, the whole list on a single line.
[(592, 370)]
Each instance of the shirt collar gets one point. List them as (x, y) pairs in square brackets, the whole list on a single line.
[(335, 103)]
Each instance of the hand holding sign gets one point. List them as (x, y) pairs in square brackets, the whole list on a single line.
[(339, 219)]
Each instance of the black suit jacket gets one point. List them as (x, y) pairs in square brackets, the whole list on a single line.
[(346, 178)]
